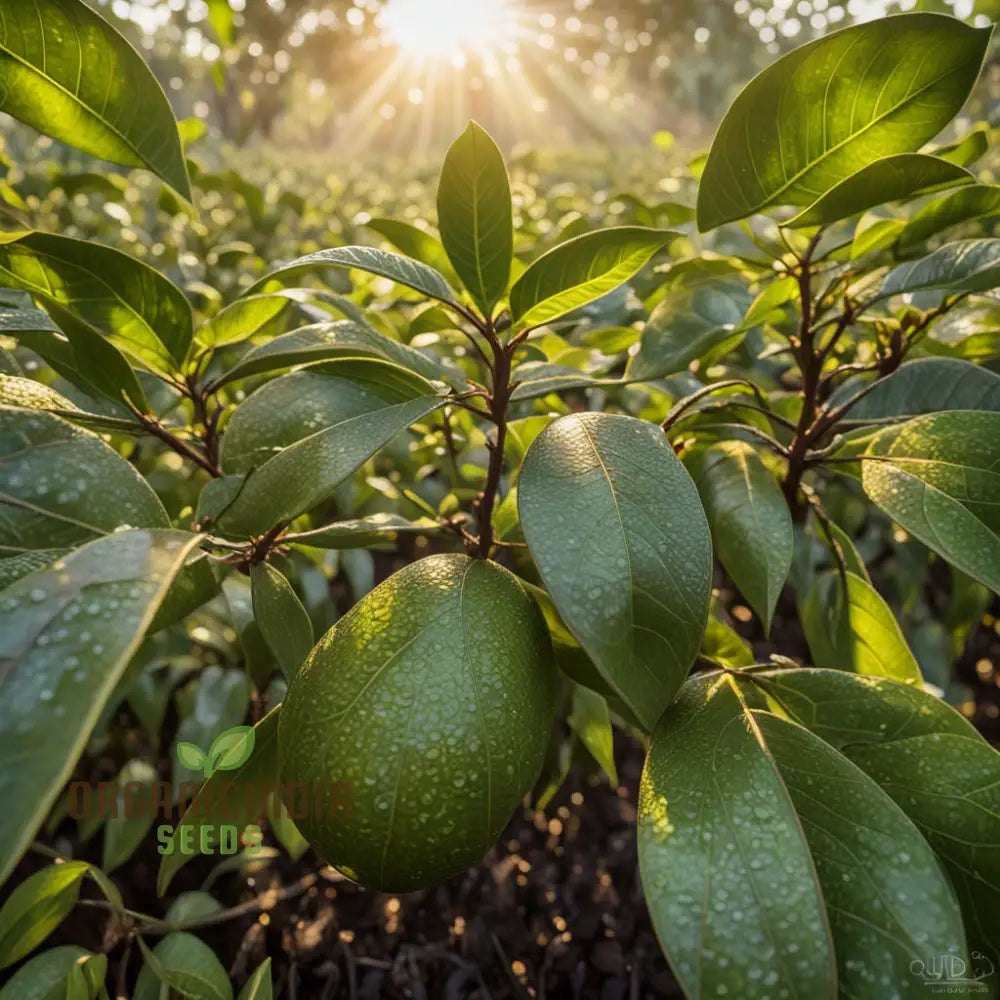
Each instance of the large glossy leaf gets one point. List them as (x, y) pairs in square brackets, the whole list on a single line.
[(962, 266), (619, 536), (834, 105), (45, 976), (306, 473), (699, 315), (581, 270), (927, 385), (948, 211), (297, 405), (892, 178), (50, 473), (321, 341), (763, 844), (849, 627), (116, 295), (65, 71), (939, 477), (749, 518), (394, 266), (724, 863), (27, 394), (475, 216), (70, 630), (228, 796), (282, 620), (938, 769)]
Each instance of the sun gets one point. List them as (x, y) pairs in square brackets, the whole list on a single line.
[(442, 28)]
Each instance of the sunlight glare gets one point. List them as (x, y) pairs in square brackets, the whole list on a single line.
[(436, 28)]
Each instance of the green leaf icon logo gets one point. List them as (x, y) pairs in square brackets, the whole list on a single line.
[(232, 749), (191, 756)]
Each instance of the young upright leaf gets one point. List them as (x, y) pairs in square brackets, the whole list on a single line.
[(50, 473), (67, 72), (951, 210), (394, 266), (962, 266), (892, 178), (856, 630), (475, 216), (834, 105), (749, 518), (614, 524), (69, 631), (939, 477), (259, 985), (283, 621), (581, 270), (37, 907), (116, 295)]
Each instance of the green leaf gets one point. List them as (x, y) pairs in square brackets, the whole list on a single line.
[(415, 243), (187, 966), (322, 341), (774, 295), (227, 797), (749, 518), (306, 473), (70, 631), (67, 72), (475, 216), (580, 271), (590, 721), (114, 294), (724, 862), (393, 266), (723, 644), (885, 894), (856, 630), (962, 266), (50, 473), (282, 619), (938, 476), (258, 315), (231, 749), (966, 150), (832, 106), (951, 210), (37, 907), (893, 178), (14, 567), (614, 524), (879, 235), (44, 976), (26, 394), (258, 986), (927, 385), (928, 758), (364, 532), (295, 406), (696, 317)]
